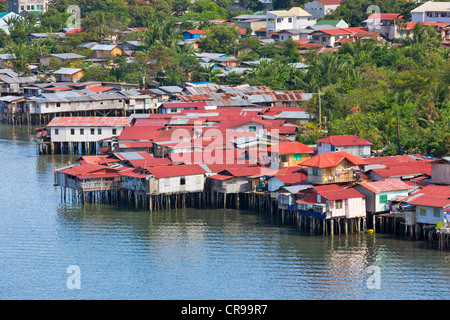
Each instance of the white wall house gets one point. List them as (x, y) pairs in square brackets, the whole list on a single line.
[(294, 18), (319, 8), (389, 25), (379, 194), (27, 6), (85, 129), (352, 144), (431, 12), (5, 17)]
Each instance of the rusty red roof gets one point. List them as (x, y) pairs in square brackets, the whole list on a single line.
[(288, 147), (394, 159), (345, 140), (332, 159), (176, 170), (386, 16), (88, 122), (431, 196), (87, 171), (386, 185), (405, 169), (338, 193)]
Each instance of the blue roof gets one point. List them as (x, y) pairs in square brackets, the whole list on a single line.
[(203, 82), (2, 14)]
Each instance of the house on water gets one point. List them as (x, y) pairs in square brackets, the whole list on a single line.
[(334, 167), (352, 144), (83, 134), (332, 201)]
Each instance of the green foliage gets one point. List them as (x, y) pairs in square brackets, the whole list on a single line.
[(220, 38)]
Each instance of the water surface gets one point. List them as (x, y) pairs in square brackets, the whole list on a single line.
[(184, 254)]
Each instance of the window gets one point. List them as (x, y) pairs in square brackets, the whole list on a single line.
[(297, 156), (58, 104), (383, 199), (324, 39), (289, 20), (283, 158), (46, 105), (81, 131), (437, 212), (114, 131), (72, 131), (28, 7), (56, 132), (99, 131), (182, 181), (279, 19), (315, 171), (338, 204), (22, 8), (423, 211), (92, 131), (252, 129), (32, 7)]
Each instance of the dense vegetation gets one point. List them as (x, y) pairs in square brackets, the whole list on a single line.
[(397, 96)]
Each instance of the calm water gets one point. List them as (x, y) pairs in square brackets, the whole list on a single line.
[(190, 254)]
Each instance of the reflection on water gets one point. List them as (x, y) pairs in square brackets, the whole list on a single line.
[(184, 254)]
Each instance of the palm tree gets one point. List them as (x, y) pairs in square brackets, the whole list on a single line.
[(211, 73)]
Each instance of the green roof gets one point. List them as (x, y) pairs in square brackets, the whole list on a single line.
[(328, 22)]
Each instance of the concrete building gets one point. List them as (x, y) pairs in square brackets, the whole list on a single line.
[(319, 8), (431, 11), (27, 6), (293, 18)]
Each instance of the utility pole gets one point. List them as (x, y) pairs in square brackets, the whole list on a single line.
[(320, 110), (398, 135)]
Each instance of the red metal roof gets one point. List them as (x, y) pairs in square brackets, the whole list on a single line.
[(332, 159), (194, 31), (338, 193), (87, 171), (88, 122), (345, 140), (386, 16), (289, 147), (393, 159), (99, 88), (356, 29), (431, 196), (329, 2), (250, 171), (176, 170), (386, 185), (292, 178), (335, 31), (405, 169)]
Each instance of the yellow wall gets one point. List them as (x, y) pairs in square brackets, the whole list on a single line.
[(290, 160)]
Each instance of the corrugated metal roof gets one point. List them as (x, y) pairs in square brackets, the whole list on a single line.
[(88, 121), (386, 185), (67, 71)]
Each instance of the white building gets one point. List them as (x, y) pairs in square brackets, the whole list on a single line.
[(27, 6), (389, 25), (294, 18), (4, 17), (431, 12), (83, 134), (319, 8)]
